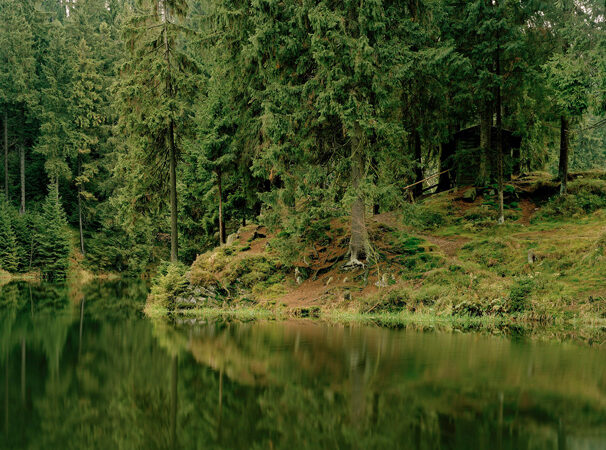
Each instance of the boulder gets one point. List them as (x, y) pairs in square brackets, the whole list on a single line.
[(470, 194), (232, 238)]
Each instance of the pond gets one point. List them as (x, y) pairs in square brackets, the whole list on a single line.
[(83, 368)]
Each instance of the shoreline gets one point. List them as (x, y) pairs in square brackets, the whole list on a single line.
[(589, 332)]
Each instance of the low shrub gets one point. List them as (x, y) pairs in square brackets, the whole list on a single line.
[(468, 308), (519, 294), (414, 266), (394, 300), (584, 197), (169, 284)]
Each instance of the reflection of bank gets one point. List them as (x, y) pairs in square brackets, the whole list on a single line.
[(439, 386), (357, 371), (137, 384)]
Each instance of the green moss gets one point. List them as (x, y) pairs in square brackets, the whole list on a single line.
[(252, 270), (426, 216), (405, 244)]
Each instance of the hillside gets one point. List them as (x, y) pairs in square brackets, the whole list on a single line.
[(444, 256)]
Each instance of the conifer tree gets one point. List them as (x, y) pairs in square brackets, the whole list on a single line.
[(52, 239), (23, 225), (154, 92), (85, 105), (339, 58), (56, 125), (569, 69), (8, 243), (218, 125), (17, 80)]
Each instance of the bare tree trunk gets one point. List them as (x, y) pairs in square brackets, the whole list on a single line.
[(6, 154), (80, 207), (222, 237), (517, 161), (563, 169), (174, 244), (358, 244), (499, 139), (446, 156), (418, 189), (174, 236), (485, 144), (22, 176)]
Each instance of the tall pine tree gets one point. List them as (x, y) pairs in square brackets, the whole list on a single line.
[(154, 91)]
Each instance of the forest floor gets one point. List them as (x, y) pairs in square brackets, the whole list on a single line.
[(442, 260)]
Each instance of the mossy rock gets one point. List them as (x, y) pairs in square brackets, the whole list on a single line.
[(251, 270), (470, 195)]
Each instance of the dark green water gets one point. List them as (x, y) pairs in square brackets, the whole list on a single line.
[(84, 369)]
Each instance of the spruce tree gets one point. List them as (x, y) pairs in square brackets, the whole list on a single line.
[(217, 130), (56, 125), (52, 241), (570, 69), (8, 243), (158, 80), (17, 81), (85, 107)]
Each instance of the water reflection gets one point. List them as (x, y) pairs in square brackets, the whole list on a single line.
[(83, 369)]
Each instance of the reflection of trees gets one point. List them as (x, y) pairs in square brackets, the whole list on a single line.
[(94, 374), (342, 387)]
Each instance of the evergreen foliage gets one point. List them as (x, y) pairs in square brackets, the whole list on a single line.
[(173, 121), (9, 259), (52, 239)]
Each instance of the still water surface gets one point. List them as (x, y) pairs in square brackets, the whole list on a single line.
[(82, 368)]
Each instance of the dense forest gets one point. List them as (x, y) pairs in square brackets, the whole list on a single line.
[(135, 131)]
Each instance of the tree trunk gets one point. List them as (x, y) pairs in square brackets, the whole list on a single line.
[(174, 236), (222, 237), (418, 189), (516, 156), (174, 244), (376, 207), (485, 144), (499, 140), (446, 162), (563, 169), (6, 154), (22, 177), (80, 207), (358, 244)]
